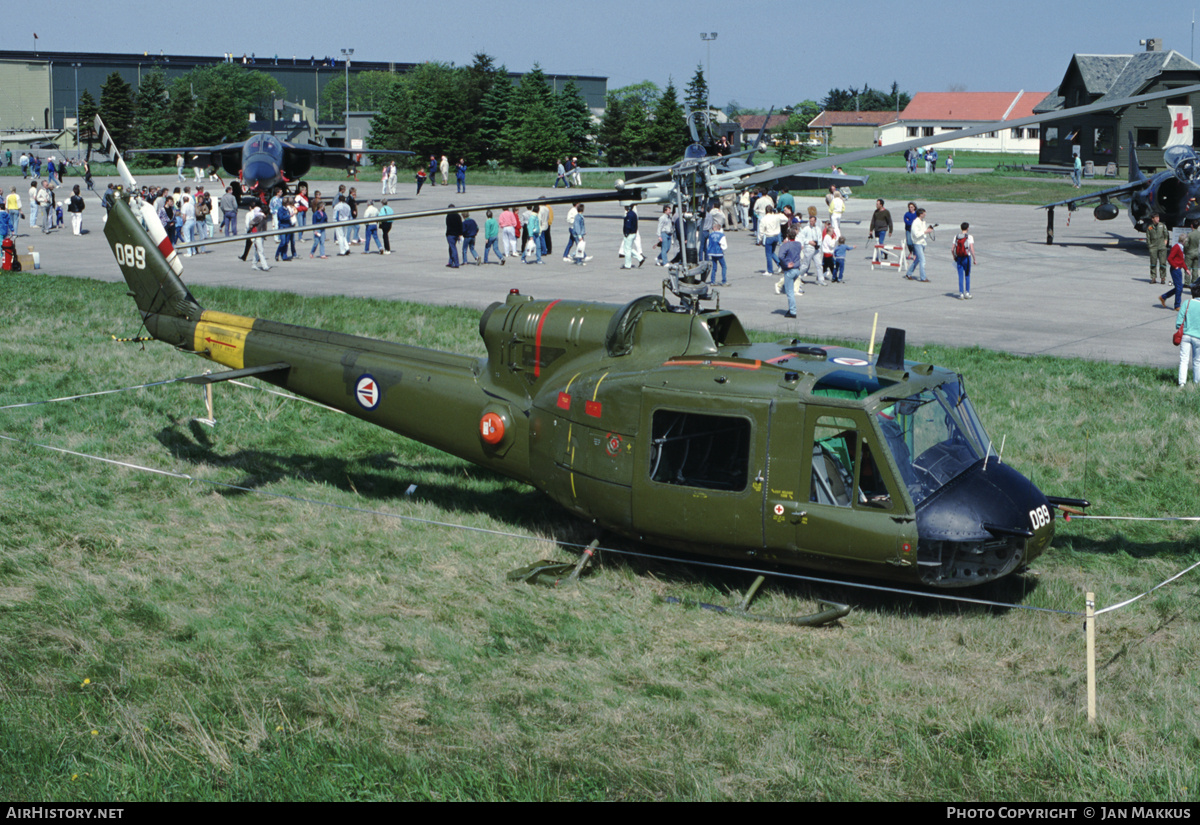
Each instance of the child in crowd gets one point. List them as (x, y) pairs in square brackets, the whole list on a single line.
[(839, 260)]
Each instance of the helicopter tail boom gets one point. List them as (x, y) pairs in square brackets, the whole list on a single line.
[(433, 397)]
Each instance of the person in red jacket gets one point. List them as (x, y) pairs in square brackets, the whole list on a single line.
[(1178, 267)]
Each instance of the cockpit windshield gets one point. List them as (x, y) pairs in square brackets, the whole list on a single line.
[(934, 436)]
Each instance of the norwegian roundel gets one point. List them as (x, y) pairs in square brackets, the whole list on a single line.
[(850, 362), (367, 392)]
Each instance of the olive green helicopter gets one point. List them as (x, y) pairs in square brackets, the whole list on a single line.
[(659, 419)]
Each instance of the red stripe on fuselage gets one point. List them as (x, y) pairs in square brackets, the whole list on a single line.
[(537, 344)]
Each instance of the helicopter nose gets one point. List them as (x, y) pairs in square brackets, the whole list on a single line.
[(981, 525)]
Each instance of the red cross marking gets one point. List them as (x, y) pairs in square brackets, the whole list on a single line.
[(1179, 123)]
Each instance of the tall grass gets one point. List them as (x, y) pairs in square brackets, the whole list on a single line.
[(166, 639)]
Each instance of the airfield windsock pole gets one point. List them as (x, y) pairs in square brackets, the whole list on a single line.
[(1089, 624)]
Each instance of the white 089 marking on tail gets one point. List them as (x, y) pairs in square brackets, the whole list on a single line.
[(130, 255)]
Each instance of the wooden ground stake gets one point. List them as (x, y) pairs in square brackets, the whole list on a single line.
[(1089, 624)]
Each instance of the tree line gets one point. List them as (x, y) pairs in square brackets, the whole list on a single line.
[(208, 105), (475, 112)]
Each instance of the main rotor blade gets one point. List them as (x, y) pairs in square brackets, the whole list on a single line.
[(634, 194)]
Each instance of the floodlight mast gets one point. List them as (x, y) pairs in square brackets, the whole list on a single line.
[(346, 55), (708, 38)]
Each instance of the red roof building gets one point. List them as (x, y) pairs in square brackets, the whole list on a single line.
[(932, 113)]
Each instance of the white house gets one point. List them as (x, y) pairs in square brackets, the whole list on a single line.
[(933, 113)]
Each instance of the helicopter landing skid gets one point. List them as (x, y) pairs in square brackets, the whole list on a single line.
[(553, 574), (828, 612)]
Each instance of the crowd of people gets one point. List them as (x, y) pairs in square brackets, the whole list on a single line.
[(47, 209), (801, 244)]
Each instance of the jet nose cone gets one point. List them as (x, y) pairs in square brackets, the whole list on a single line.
[(259, 171)]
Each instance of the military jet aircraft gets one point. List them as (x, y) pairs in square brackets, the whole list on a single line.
[(1172, 193), (719, 175), (264, 160)]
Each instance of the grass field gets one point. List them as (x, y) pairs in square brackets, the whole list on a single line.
[(166, 638)]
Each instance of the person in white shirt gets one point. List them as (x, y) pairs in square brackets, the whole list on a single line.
[(920, 237), (837, 206), (341, 212), (760, 209), (809, 237)]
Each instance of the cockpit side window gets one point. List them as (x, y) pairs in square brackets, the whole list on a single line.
[(844, 470)]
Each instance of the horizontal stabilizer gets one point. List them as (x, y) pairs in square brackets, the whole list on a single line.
[(230, 375)]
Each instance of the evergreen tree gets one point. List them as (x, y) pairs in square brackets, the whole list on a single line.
[(695, 96), (575, 119), (611, 133), (669, 133), (840, 100), (479, 78), (88, 109), (533, 137), (152, 118), (494, 111), (179, 112), (116, 109), (635, 137), (897, 100), (436, 117)]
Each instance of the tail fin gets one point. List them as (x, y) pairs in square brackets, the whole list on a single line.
[(152, 280), (1135, 173), (143, 250), (109, 147)]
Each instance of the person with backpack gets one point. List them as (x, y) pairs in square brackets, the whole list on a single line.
[(963, 251)]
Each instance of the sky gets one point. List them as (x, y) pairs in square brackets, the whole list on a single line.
[(760, 58)]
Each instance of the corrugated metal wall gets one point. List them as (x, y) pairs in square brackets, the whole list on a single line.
[(24, 94)]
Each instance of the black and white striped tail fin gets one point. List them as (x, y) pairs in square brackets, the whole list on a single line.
[(108, 147)]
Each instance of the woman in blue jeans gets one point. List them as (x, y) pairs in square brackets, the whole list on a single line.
[(1189, 346)]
